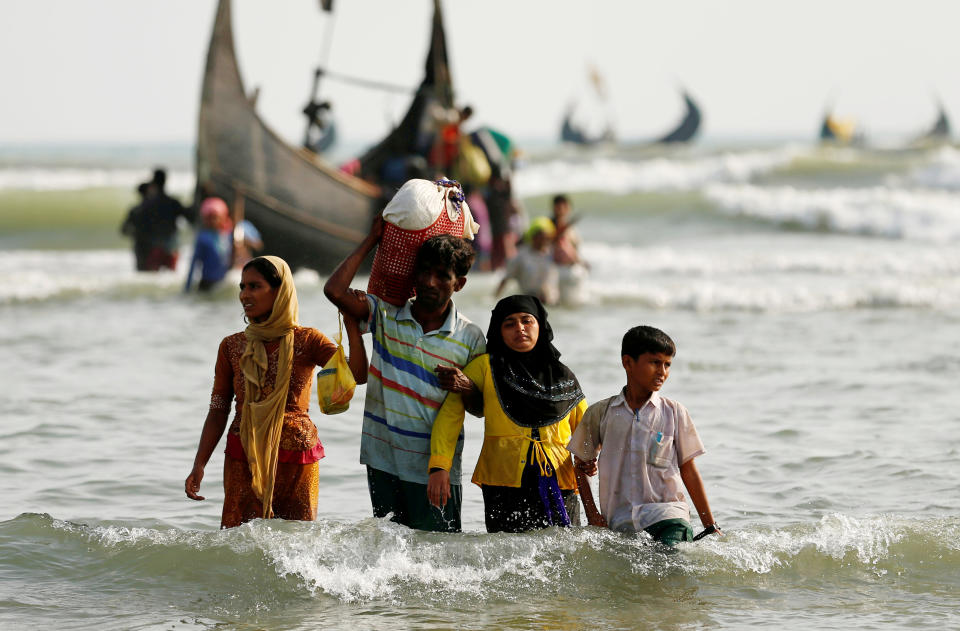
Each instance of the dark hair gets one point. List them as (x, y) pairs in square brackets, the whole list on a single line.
[(560, 198), (646, 339), (143, 187), (448, 251), (159, 177), (267, 269)]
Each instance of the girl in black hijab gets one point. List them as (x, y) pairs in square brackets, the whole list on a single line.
[(531, 403)]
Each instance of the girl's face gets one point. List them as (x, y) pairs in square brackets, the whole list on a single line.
[(256, 295), (520, 332)]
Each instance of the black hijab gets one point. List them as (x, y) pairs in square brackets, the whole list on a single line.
[(534, 388)]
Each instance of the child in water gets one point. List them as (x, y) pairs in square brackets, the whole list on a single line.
[(213, 250), (646, 444)]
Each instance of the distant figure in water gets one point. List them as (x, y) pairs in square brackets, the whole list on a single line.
[(571, 268), (213, 249), (133, 226), (531, 404), (646, 445), (270, 468), (156, 225), (533, 268)]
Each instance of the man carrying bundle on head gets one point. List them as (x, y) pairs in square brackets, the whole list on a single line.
[(420, 345)]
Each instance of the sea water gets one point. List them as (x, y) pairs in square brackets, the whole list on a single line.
[(813, 295)]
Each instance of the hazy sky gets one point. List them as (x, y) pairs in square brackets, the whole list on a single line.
[(130, 70)]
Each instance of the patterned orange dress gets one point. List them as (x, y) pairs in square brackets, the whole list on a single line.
[(296, 488)]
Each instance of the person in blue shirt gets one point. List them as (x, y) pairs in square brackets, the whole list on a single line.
[(213, 250)]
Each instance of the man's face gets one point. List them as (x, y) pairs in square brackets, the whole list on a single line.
[(648, 372), (435, 285)]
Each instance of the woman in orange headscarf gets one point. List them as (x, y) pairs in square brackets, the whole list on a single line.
[(270, 469)]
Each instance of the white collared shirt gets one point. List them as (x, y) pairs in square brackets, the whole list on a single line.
[(640, 482)]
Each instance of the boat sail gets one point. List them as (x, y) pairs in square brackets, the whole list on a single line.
[(308, 212)]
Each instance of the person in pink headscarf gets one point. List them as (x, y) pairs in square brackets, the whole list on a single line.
[(213, 249)]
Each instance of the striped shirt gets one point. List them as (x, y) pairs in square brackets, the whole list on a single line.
[(403, 394)]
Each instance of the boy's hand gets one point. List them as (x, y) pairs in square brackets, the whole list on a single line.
[(588, 467)]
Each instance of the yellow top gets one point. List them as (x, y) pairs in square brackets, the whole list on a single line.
[(505, 444)]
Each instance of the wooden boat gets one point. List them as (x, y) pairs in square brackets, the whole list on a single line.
[(688, 126), (684, 131), (307, 211)]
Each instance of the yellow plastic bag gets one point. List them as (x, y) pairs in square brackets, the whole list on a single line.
[(471, 165), (335, 382)]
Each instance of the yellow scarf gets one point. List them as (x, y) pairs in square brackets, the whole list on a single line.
[(262, 417)]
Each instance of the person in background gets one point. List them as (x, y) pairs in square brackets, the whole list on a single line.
[(533, 268), (419, 349), (531, 404), (646, 445), (571, 268), (133, 227), (213, 249), (270, 468), (159, 224), (246, 242)]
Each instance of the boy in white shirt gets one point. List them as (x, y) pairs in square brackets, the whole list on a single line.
[(646, 445)]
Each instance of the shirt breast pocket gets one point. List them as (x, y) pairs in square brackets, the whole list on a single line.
[(660, 452)]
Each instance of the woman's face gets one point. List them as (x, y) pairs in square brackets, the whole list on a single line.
[(256, 295), (520, 332)]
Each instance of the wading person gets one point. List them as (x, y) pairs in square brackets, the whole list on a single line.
[(418, 350), (270, 468), (646, 445), (531, 404)]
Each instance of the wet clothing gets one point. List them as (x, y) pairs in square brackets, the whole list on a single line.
[(403, 393), (504, 455), (403, 397), (295, 492), (299, 444), (212, 253), (531, 404), (408, 503), (640, 453)]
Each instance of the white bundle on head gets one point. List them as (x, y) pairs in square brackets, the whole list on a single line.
[(418, 204)]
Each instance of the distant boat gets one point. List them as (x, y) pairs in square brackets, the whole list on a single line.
[(841, 131), (307, 210), (685, 131), (941, 129), (570, 132), (688, 127)]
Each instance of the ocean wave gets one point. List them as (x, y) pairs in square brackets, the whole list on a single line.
[(793, 280), (659, 173), (376, 560), (942, 172), (75, 178), (875, 211)]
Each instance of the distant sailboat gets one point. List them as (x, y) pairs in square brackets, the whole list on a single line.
[(941, 129), (688, 127)]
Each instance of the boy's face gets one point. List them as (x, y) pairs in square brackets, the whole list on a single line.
[(648, 372)]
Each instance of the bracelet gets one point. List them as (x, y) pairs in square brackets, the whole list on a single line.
[(707, 530)]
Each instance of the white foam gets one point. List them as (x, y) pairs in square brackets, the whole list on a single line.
[(658, 173), (880, 210), (943, 172)]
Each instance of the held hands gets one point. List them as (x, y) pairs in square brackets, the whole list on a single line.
[(192, 484), (438, 488), (452, 379), (588, 467)]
